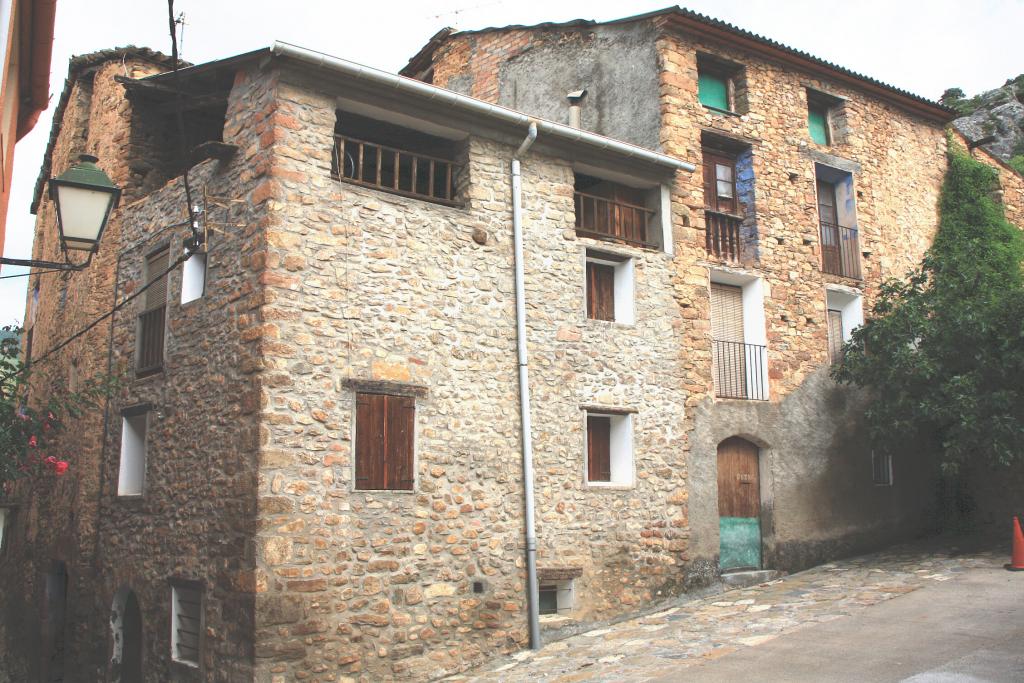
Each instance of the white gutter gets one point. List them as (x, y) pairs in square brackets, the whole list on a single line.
[(532, 590), (473, 105)]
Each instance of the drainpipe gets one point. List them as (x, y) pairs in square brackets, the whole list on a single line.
[(533, 597)]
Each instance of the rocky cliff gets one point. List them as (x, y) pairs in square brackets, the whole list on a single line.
[(997, 114)]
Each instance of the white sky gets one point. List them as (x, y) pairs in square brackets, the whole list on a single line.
[(921, 46)]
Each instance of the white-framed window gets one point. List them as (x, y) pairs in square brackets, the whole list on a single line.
[(186, 623), (609, 287), (132, 470), (193, 277), (609, 449), (556, 597), (845, 312), (881, 469), (739, 340)]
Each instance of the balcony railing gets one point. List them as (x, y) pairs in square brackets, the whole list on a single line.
[(840, 250), (722, 235), (394, 170), (740, 370), (151, 341), (608, 219)]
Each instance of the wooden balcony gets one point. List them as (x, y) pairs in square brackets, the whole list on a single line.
[(722, 235), (394, 170), (608, 219)]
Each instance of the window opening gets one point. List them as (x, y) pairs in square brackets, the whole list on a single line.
[(385, 428)]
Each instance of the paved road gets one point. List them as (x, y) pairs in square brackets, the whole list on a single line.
[(910, 614)]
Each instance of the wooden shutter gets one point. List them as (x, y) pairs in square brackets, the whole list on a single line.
[(729, 353), (600, 291), (817, 123), (835, 335), (827, 203), (385, 430), (156, 264), (712, 89), (399, 429), (719, 182), (599, 460)]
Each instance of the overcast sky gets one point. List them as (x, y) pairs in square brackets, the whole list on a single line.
[(923, 47)]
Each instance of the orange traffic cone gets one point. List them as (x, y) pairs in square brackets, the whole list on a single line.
[(1017, 557)]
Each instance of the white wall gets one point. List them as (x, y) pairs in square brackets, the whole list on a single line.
[(849, 303)]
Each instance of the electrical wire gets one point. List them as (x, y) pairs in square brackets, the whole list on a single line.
[(172, 24), (34, 272)]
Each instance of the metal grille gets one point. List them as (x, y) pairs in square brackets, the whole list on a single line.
[(840, 250), (394, 170), (739, 370), (608, 219), (187, 624), (722, 235)]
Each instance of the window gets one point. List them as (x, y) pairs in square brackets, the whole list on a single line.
[(826, 116), (609, 287), (151, 321), (845, 313), (395, 159), (721, 84), (881, 469), (132, 470), (186, 623), (609, 449), (385, 429), (738, 340), (837, 215), (613, 211), (5, 517), (728, 175), (556, 597), (193, 277)]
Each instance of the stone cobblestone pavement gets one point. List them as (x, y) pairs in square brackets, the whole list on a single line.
[(697, 630)]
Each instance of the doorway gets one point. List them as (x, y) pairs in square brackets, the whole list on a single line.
[(739, 505)]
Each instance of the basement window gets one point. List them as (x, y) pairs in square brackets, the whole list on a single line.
[(187, 623), (395, 159), (881, 469), (132, 470), (609, 287), (556, 597), (609, 449), (721, 84)]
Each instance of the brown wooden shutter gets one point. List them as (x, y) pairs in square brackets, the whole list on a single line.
[(156, 264), (370, 441), (600, 291), (399, 430), (599, 461), (713, 199), (835, 335)]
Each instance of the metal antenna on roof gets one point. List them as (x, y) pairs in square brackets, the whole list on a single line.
[(194, 242)]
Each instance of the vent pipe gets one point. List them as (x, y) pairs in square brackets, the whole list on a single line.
[(575, 102)]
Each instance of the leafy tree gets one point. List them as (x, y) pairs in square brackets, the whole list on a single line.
[(951, 96), (943, 351), (30, 430)]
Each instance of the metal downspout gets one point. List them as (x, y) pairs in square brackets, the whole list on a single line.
[(533, 593)]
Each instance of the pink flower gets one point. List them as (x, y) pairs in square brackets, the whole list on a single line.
[(50, 460), (32, 441), (60, 468)]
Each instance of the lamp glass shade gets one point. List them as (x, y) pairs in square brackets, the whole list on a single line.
[(84, 197)]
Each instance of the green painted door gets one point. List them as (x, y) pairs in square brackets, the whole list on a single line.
[(739, 505)]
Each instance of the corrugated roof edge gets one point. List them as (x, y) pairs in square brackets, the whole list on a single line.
[(939, 111)]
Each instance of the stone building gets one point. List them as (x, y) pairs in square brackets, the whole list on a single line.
[(312, 467)]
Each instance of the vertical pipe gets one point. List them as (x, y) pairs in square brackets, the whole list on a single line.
[(533, 593)]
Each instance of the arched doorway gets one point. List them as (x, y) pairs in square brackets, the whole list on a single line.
[(739, 505), (126, 628)]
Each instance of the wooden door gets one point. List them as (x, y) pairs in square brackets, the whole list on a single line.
[(828, 214), (739, 505)]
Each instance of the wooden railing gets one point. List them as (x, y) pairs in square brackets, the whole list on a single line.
[(608, 219), (739, 370), (151, 341), (394, 170), (840, 250), (722, 235)]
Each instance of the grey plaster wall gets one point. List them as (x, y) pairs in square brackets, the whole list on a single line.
[(616, 64), (817, 497)]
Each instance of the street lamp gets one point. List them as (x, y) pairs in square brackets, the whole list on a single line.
[(84, 196)]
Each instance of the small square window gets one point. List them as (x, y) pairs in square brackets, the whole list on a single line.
[(881, 469), (187, 624), (609, 287), (721, 84), (825, 114), (385, 434), (132, 470), (609, 449), (556, 597)]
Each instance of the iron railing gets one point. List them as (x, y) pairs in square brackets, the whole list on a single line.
[(151, 341), (740, 370), (722, 235), (840, 250), (394, 170), (608, 219)]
